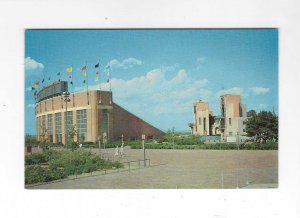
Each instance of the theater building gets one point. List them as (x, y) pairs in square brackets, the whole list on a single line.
[(229, 125), (93, 113)]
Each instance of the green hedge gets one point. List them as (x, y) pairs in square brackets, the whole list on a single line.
[(258, 146), (62, 164), (37, 174)]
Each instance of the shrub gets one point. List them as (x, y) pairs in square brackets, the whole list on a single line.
[(36, 174)]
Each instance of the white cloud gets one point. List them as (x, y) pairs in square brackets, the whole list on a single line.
[(30, 105), (201, 59), (154, 94), (31, 64), (233, 91), (124, 64), (259, 90)]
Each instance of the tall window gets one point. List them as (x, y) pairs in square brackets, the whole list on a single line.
[(37, 126), (204, 123), (50, 128), (199, 120), (229, 120), (81, 119), (69, 119), (105, 122), (44, 122), (58, 127)]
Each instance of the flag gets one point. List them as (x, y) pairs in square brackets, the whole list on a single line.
[(49, 78), (107, 80), (69, 69), (84, 74), (83, 81), (58, 74), (35, 93), (32, 88), (97, 72), (70, 76), (43, 80), (37, 83), (97, 65), (83, 68), (59, 80), (96, 79), (71, 83)]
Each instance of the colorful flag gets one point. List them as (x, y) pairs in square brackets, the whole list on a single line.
[(96, 79), (58, 74), (70, 76), (83, 68), (97, 72), (37, 83), (97, 65), (35, 93), (69, 69), (84, 74)]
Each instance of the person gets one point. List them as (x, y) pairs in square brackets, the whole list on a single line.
[(121, 150), (117, 151)]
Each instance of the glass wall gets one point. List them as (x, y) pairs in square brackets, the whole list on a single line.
[(58, 132), (81, 119), (50, 127)]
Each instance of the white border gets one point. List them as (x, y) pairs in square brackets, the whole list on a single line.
[(16, 15)]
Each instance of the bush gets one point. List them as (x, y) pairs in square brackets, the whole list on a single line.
[(62, 164), (36, 174), (40, 158), (258, 146)]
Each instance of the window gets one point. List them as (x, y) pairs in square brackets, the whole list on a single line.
[(204, 123), (43, 123), (81, 119), (69, 119), (229, 120), (244, 130), (105, 122), (199, 120), (50, 128), (58, 127)]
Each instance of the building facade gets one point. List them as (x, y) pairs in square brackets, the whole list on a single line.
[(230, 125), (93, 113)]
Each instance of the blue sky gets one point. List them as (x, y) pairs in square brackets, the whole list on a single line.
[(158, 74)]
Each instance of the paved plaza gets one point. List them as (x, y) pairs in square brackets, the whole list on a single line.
[(183, 169)]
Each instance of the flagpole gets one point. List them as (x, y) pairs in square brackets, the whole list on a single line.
[(73, 87), (99, 80), (87, 84), (110, 85)]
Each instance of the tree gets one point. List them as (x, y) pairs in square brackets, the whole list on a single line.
[(251, 113), (71, 133), (262, 127)]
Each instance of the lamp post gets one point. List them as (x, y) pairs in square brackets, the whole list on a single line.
[(66, 99)]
